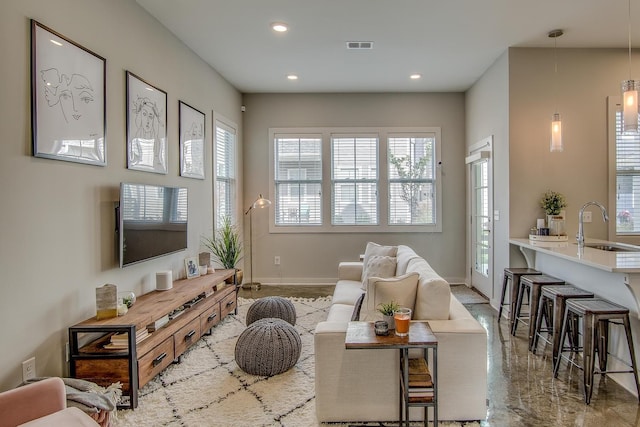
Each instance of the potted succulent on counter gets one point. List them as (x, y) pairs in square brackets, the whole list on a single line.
[(226, 246), (387, 310)]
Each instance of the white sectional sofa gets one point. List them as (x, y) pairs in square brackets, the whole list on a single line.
[(362, 385)]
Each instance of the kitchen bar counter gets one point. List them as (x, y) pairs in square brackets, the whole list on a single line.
[(611, 261), (614, 276)]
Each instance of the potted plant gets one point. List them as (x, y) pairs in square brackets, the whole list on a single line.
[(226, 246), (553, 202), (387, 310)]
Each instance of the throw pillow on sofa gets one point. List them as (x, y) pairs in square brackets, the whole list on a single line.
[(378, 266), (401, 289), (376, 249)]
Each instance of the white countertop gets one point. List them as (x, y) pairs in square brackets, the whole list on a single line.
[(617, 262)]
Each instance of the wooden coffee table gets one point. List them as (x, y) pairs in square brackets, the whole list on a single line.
[(361, 335)]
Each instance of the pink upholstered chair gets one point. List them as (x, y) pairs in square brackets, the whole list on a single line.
[(43, 403)]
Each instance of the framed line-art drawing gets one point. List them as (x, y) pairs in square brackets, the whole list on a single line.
[(68, 104), (146, 126), (191, 267), (191, 141)]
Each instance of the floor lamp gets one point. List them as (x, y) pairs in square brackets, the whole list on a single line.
[(261, 202)]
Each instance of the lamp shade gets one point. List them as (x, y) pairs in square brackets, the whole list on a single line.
[(556, 133), (630, 106), (261, 203)]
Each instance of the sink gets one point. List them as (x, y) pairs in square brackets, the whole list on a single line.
[(612, 247)]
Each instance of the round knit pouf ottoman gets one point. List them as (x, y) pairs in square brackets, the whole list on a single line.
[(275, 307), (268, 347)]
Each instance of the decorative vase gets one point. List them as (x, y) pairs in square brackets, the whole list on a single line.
[(555, 224), (390, 321)]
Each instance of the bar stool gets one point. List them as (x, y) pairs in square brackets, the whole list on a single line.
[(533, 284), (553, 300), (596, 315), (512, 275)]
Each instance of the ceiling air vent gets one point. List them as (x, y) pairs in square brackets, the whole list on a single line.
[(359, 45)]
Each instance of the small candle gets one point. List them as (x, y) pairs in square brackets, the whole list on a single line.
[(540, 223)]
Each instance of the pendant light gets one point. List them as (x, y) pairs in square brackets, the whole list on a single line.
[(556, 122), (630, 94)]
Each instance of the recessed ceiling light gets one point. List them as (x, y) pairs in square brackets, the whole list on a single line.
[(279, 27), (292, 76), (415, 76)]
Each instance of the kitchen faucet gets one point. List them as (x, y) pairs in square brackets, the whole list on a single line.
[(605, 218)]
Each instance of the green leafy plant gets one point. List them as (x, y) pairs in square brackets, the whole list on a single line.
[(387, 308), (225, 245), (553, 202)]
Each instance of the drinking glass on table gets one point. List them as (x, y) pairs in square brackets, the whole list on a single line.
[(402, 317)]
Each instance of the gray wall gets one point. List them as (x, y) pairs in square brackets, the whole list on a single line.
[(586, 77), (314, 257), (524, 168), (487, 109), (57, 221)]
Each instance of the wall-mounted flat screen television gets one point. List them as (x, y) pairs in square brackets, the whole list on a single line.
[(152, 221)]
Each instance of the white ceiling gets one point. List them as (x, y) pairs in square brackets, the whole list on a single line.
[(450, 42)]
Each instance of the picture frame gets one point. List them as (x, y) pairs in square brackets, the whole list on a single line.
[(68, 103), (192, 141), (146, 126), (191, 267)]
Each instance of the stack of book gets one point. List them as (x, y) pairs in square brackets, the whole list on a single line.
[(120, 341), (420, 381)]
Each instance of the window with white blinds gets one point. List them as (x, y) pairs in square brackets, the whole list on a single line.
[(411, 179), (298, 180), (627, 180), (225, 173), (354, 180)]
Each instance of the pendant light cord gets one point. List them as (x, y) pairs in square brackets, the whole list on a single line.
[(629, 35), (555, 70)]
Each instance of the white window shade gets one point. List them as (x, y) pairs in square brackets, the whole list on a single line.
[(627, 180), (225, 173), (354, 168), (412, 175), (298, 179)]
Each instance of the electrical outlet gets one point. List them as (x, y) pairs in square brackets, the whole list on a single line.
[(276, 260), (586, 216), (29, 369)]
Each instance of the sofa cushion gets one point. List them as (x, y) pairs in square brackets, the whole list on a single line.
[(401, 289), (340, 312), (378, 266), (347, 292), (376, 249), (404, 255), (433, 292)]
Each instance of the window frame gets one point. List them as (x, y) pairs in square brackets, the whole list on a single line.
[(383, 226), (275, 183), (614, 104), (220, 121)]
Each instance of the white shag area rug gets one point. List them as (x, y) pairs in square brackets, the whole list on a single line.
[(207, 388)]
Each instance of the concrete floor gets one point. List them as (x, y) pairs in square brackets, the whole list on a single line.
[(521, 388)]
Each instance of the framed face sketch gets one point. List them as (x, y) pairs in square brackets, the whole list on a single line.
[(68, 107), (191, 141), (146, 126), (191, 267)]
